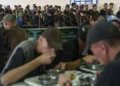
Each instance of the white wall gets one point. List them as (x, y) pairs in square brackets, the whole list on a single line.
[(53, 2)]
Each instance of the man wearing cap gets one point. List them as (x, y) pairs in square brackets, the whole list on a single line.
[(115, 20), (106, 48), (12, 35), (31, 57), (72, 51)]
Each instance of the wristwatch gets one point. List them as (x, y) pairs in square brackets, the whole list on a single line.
[(83, 62), (65, 84)]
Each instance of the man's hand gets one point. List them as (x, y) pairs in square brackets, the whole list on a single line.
[(63, 78), (74, 13), (47, 58), (68, 65), (89, 59), (61, 66), (81, 14)]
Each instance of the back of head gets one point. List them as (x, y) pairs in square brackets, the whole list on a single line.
[(94, 17), (9, 21), (9, 17)]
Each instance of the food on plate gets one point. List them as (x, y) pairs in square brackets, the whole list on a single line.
[(72, 76)]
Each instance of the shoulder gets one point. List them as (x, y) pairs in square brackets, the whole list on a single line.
[(70, 45), (69, 42), (112, 67), (114, 63), (8, 34), (29, 42)]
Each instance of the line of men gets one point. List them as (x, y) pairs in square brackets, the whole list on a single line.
[(53, 16)]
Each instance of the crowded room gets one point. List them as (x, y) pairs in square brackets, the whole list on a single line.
[(59, 43)]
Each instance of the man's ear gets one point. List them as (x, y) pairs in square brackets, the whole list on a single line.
[(5, 23), (103, 48), (40, 39)]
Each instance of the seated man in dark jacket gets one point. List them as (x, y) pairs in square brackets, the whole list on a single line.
[(72, 51), (12, 35), (106, 49)]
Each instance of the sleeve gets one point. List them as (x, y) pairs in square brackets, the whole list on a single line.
[(16, 60), (109, 76)]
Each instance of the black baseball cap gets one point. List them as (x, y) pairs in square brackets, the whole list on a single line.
[(53, 37), (101, 31)]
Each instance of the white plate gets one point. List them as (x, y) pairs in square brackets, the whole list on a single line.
[(34, 81), (88, 70)]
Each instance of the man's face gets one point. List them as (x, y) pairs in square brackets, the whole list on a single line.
[(111, 6), (8, 8), (19, 7), (43, 45), (16, 7), (105, 6), (35, 9), (39, 8), (75, 6), (100, 53), (95, 8), (59, 9), (46, 7), (86, 7), (67, 8)]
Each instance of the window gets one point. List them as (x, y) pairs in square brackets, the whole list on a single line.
[(84, 1)]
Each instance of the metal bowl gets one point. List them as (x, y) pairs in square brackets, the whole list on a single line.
[(48, 80), (55, 72), (87, 80), (95, 67)]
